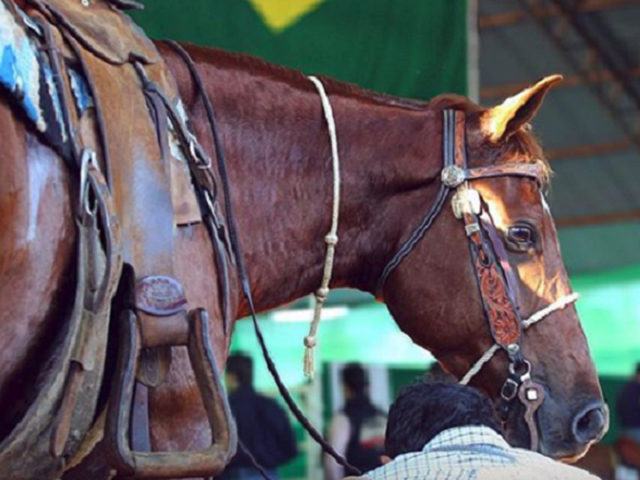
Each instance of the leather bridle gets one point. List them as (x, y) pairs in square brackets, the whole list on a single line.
[(495, 276)]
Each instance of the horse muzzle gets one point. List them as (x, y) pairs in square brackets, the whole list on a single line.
[(587, 426), (590, 424)]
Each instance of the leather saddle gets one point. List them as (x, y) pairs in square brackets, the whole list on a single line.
[(102, 29), (134, 193)]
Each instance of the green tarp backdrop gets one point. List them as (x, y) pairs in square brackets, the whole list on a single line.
[(412, 48)]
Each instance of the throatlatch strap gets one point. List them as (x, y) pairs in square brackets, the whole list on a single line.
[(449, 119)]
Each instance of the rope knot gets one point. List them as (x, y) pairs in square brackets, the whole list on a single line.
[(331, 239), (322, 293), (310, 341)]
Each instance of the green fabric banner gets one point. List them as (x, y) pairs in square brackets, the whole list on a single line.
[(409, 48)]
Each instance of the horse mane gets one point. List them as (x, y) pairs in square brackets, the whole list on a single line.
[(255, 65), (521, 147), (349, 89)]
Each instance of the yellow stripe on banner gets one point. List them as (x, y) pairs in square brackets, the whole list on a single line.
[(279, 15)]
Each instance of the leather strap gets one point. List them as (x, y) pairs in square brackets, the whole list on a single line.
[(455, 175), (101, 29), (499, 306), (136, 154), (127, 4), (490, 262), (449, 142), (497, 244), (530, 170), (531, 395), (61, 414)]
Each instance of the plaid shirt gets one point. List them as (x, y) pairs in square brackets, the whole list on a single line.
[(474, 453)]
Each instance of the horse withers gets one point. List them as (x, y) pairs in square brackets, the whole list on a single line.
[(272, 127)]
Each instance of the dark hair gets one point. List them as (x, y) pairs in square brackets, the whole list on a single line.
[(241, 366), (355, 377), (424, 410), (638, 368), (436, 374)]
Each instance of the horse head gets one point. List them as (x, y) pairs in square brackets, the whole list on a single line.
[(505, 228)]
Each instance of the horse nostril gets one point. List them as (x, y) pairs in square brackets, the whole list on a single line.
[(589, 424)]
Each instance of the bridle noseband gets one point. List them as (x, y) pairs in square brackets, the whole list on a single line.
[(495, 276)]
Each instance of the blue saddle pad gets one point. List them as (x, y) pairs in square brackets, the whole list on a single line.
[(26, 75)]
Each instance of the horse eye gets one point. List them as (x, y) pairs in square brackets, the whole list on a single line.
[(522, 235)]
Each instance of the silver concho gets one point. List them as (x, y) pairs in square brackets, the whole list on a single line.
[(160, 295), (452, 176)]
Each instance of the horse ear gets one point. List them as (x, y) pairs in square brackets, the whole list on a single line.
[(500, 122)]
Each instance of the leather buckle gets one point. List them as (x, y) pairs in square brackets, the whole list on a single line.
[(509, 389), (471, 229)]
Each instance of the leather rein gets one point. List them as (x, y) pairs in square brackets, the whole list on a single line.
[(495, 276)]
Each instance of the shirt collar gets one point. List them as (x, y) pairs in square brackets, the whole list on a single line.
[(465, 437)]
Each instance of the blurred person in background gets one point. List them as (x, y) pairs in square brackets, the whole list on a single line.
[(627, 444), (357, 431), (628, 407), (263, 427)]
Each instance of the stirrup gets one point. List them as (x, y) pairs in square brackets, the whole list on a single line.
[(194, 333)]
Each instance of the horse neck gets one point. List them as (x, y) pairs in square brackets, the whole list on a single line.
[(279, 154)]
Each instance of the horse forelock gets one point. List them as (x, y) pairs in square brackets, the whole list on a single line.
[(523, 147)]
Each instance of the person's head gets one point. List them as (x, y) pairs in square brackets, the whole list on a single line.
[(424, 410), (354, 380), (638, 371), (239, 371)]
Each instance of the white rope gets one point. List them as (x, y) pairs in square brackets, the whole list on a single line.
[(559, 304), (331, 239), (488, 355)]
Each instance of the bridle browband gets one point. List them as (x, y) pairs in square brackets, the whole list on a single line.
[(496, 279)]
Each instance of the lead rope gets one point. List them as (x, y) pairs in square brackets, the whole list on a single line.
[(242, 272), (331, 239), (541, 314)]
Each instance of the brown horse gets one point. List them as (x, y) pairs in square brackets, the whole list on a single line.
[(272, 127)]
